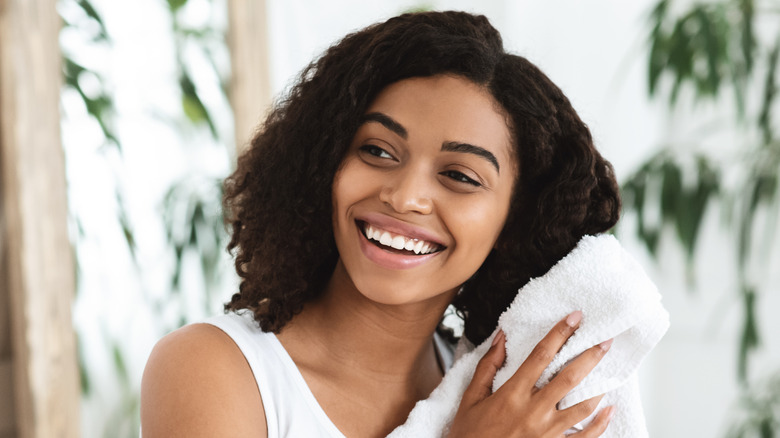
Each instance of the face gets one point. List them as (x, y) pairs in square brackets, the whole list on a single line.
[(424, 190)]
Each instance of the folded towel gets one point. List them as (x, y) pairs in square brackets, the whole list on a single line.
[(617, 300)]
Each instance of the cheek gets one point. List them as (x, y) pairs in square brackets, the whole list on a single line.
[(343, 186), (351, 184), (481, 224)]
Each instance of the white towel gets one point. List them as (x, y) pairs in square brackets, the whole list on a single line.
[(617, 300)]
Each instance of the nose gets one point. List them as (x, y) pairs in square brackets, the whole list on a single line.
[(408, 191)]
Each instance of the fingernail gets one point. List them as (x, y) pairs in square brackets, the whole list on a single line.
[(496, 337), (574, 318), (606, 344)]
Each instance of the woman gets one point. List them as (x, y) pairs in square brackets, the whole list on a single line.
[(415, 165)]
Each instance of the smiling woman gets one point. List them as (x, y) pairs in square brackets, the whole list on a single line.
[(414, 172), (414, 166)]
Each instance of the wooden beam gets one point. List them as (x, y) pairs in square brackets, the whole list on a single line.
[(7, 423), (39, 259), (250, 85)]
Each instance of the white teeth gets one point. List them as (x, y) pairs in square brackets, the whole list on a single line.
[(386, 239), (398, 242)]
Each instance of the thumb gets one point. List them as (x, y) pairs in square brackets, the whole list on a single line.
[(481, 385)]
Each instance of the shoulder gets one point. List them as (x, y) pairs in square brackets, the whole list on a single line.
[(198, 384)]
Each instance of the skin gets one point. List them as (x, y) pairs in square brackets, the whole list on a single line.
[(433, 160)]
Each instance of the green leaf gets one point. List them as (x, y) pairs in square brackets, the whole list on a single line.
[(192, 106), (100, 107), (699, 37), (749, 340), (680, 56), (766, 428), (175, 5), (422, 7), (769, 95), (119, 363), (658, 46), (636, 188), (747, 36), (713, 33), (693, 205), (92, 13), (671, 189), (127, 229), (86, 382)]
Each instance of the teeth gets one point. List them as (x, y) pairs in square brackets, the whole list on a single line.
[(399, 242), (386, 239)]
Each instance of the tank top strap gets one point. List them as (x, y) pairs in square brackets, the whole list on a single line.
[(290, 407)]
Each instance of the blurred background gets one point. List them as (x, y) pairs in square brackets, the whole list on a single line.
[(157, 96)]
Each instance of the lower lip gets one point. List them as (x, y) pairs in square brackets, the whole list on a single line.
[(391, 260)]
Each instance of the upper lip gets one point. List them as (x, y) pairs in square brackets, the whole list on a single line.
[(396, 226)]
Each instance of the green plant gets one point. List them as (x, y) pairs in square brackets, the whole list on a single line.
[(712, 52), (757, 414), (191, 212)]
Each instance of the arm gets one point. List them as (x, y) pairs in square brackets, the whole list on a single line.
[(198, 384)]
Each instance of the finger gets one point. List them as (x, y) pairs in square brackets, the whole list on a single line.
[(579, 412), (544, 352), (573, 373), (481, 384), (599, 424)]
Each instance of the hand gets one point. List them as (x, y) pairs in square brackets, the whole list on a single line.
[(518, 408)]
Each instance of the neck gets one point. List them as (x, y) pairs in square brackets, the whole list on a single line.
[(389, 342)]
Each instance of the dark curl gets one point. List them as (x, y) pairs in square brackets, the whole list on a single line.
[(278, 200)]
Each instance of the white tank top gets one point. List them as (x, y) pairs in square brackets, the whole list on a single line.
[(290, 407)]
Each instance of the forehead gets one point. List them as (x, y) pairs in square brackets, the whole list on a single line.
[(447, 108)]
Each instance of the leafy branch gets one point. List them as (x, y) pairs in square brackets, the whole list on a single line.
[(191, 213), (712, 50)]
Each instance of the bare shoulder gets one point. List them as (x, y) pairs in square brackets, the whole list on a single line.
[(197, 383)]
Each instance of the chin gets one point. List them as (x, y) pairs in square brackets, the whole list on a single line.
[(399, 294)]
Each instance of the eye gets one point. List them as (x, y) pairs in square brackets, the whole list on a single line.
[(376, 151), (460, 177)]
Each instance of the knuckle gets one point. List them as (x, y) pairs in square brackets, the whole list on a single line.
[(485, 366), (587, 407), (596, 352), (541, 354), (563, 330), (515, 406), (568, 379)]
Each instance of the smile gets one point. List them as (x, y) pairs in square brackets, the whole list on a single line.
[(399, 242)]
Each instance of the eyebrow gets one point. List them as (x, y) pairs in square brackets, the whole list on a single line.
[(387, 122), (454, 146), (450, 146)]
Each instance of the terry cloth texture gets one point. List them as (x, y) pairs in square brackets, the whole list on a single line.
[(618, 301)]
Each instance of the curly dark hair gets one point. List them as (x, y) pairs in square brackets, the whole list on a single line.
[(278, 200)]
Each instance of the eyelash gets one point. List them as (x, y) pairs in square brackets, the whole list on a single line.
[(460, 177), (376, 151)]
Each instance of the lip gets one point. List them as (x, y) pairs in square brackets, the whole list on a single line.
[(395, 226), (391, 260)]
